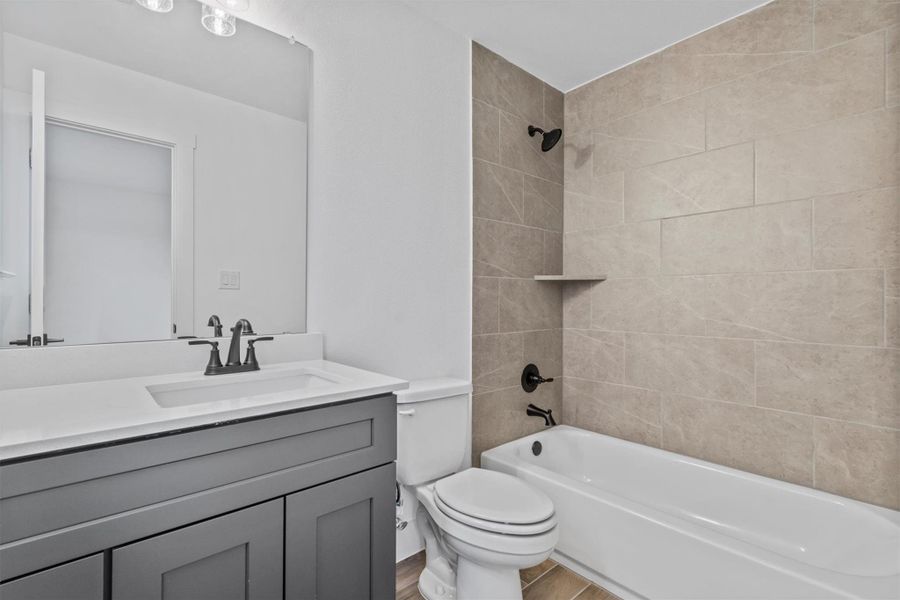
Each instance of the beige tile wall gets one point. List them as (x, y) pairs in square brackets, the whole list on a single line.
[(518, 210), (741, 190)]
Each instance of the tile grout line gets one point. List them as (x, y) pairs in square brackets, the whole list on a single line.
[(581, 591), (539, 577)]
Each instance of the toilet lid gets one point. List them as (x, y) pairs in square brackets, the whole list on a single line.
[(494, 497)]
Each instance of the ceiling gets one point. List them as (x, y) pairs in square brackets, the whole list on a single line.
[(174, 47), (567, 43)]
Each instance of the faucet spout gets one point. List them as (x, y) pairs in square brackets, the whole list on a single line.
[(242, 327), (546, 414)]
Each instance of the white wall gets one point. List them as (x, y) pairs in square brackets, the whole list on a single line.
[(390, 189)]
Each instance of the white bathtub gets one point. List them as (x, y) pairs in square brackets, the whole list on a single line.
[(646, 523)]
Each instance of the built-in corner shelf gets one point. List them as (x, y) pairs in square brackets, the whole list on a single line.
[(570, 277)]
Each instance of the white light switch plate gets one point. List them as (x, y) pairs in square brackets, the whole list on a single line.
[(229, 280)]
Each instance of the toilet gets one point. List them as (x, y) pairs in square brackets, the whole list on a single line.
[(480, 527)]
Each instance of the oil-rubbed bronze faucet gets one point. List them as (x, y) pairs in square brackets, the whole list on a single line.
[(216, 324), (234, 364), (545, 413)]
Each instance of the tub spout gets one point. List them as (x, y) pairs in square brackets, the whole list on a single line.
[(546, 414)]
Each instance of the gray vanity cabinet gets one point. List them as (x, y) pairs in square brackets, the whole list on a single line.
[(297, 504), (78, 580), (237, 556), (339, 539)]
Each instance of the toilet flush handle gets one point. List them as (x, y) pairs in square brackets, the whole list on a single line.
[(407, 413)]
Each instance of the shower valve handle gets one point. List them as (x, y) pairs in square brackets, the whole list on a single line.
[(531, 378)]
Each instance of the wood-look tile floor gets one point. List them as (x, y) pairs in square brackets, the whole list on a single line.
[(546, 581)]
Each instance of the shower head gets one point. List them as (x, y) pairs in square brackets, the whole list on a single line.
[(550, 137)]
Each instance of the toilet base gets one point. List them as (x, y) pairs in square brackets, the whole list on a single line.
[(477, 582), (434, 587)]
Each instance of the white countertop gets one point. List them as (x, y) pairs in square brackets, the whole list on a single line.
[(59, 417)]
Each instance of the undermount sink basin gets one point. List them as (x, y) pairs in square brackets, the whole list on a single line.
[(220, 387)]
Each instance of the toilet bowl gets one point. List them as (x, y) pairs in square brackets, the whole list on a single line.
[(489, 525), (480, 527)]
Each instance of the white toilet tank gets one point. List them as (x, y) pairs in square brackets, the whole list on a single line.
[(432, 423)]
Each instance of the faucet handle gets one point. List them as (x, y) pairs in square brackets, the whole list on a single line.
[(215, 361), (250, 359)]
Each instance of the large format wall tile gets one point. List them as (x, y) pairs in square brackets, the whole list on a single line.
[(497, 192), (578, 162), (892, 67), (553, 253), (767, 442), (577, 305), (838, 21), (527, 305), (857, 153), (713, 368), (621, 251), (656, 134), (624, 412), (544, 349), (776, 237), (858, 461), (773, 34), (497, 360), (892, 308), (498, 82), (580, 106), (783, 26), (832, 307), (506, 250), (684, 73), (485, 132), (499, 416), (840, 81), (554, 108), (595, 355), (543, 203), (703, 182), (519, 151), (860, 229), (767, 151), (600, 206), (632, 304), (655, 305), (485, 305), (841, 382), (628, 90), (517, 233)]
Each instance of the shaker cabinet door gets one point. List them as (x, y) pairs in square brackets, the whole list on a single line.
[(78, 580), (339, 539), (237, 556)]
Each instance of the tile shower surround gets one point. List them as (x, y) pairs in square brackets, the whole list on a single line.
[(741, 190), (518, 225)]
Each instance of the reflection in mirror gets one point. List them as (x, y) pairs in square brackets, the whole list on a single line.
[(152, 173)]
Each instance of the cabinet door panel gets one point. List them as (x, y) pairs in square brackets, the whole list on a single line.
[(78, 580), (234, 557), (339, 539)]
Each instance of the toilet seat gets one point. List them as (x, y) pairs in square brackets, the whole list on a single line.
[(492, 541), (493, 501), (492, 526)]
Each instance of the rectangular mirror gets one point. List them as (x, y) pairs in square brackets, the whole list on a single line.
[(153, 172)]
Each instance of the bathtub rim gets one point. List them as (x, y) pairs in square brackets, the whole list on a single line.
[(836, 582)]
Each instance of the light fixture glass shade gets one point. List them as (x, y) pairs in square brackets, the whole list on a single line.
[(218, 21), (160, 6), (234, 5)]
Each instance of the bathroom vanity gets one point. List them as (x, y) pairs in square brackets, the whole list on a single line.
[(156, 190), (276, 484)]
